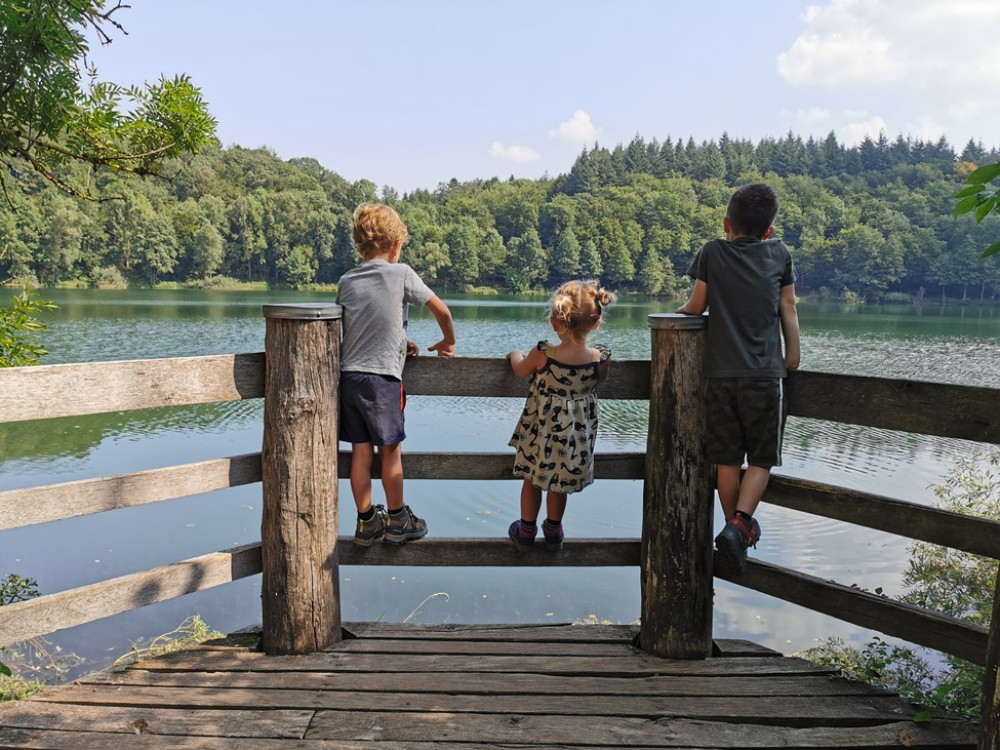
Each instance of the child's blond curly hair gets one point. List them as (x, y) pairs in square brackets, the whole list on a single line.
[(376, 228), (579, 305)]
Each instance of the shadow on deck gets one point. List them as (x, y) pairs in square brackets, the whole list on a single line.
[(404, 687)]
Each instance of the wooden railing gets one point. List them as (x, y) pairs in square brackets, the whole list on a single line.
[(299, 555)]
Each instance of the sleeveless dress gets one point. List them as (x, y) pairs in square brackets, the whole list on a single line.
[(557, 430)]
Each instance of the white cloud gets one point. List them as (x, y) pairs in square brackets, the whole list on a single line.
[(577, 129), (811, 115), (915, 44), (853, 133), (520, 154)]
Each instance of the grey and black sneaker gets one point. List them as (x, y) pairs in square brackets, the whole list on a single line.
[(370, 531), (404, 527), (732, 542)]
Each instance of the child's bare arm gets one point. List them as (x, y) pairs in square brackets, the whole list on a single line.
[(603, 370), (698, 301), (525, 364), (446, 346), (789, 326)]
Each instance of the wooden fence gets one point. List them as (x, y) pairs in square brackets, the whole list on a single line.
[(299, 554)]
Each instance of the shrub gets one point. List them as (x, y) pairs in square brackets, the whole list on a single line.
[(945, 580)]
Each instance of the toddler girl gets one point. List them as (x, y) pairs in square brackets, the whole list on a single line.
[(556, 433)]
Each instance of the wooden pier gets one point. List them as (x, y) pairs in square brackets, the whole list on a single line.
[(402, 687), (306, 680)]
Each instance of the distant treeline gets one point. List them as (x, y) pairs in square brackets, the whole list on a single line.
[(869, 222)]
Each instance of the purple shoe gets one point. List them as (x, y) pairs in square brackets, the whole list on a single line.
[(522, 539), (553, 533)]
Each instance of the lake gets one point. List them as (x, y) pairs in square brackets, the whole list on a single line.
[(928, 342)]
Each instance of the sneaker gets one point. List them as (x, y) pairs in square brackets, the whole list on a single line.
[(523, 539), (370, 531), (553, 533), (405, 527), (732, 543)]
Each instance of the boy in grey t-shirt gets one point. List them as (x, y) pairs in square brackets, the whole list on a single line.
[(375, 296), (747, 282)]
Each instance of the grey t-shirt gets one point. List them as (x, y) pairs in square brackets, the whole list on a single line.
[(744, 279), (376, 296)]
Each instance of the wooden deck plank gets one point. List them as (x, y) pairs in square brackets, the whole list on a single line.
[(609, 731), (132, 719), (474, 684), (823, 710), (682, 734), (460, 688), (636, 664)]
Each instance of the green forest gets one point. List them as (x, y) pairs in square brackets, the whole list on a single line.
[(872, 222)]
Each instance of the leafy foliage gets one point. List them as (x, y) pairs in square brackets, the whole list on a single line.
[(982, 197), (874, 222), (50, 117), (190, 633), (945, 580), (19, 329)]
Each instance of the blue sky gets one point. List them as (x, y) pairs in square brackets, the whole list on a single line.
[(413, 93)]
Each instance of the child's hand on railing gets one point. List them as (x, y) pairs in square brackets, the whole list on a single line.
[(443, 348)]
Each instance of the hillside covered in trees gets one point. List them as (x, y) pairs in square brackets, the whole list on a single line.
[(863, 222)]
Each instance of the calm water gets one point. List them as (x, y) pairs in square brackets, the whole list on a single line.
[(955, 345)]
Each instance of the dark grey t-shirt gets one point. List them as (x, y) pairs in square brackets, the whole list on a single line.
[(376, 296), (744, 279)]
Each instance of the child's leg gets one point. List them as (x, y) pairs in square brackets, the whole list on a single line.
[(361, 475), (391, 457), (552, 530), (531, 501), (728, 483), (555, 505), (522, 532), (752, 489)]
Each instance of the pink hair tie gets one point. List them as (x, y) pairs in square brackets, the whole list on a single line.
[(595, 316)]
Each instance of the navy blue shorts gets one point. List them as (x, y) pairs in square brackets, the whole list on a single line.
[(371, 408), (746, 418)]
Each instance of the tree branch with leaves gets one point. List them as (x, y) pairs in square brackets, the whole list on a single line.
[(54, 111), (982, 196)]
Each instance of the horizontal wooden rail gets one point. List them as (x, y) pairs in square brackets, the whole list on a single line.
[(66, 609), (75, 390), (49, 391), (978, 536), (54, 502), (493, 377), (911, 623), (951, 411)]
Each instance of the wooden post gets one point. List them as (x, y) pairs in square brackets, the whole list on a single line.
[(301, 579), (989, 727), (678, 496)]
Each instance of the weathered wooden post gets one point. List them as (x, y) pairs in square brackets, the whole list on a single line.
[(301, 578), (989, 728), (678, 496)]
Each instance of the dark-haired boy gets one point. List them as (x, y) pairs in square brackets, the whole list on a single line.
[(747, 282)]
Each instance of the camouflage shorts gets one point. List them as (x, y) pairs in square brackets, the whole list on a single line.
[(746, 419)]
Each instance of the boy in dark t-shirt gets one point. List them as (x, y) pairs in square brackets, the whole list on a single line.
[(746, 281)]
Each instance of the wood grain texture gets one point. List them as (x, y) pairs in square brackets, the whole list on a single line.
[(911, 623), (54, 502), (73, 390), (953, 411), (300, 585), (66, 609), (676, 574), (471, 688)]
